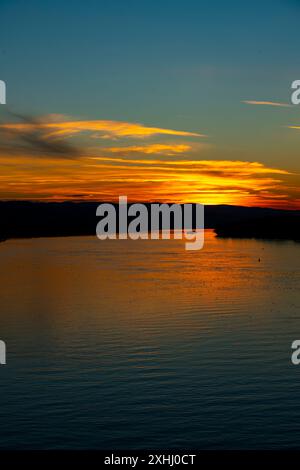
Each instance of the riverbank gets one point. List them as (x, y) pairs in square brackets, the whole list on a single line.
[(26, 219)]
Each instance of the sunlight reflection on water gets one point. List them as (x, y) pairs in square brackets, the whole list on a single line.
[(142, 344)]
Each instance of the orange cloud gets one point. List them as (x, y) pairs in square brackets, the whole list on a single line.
[(267, 103), (159, 149), (105, 178), (67, 172), (111, 129)]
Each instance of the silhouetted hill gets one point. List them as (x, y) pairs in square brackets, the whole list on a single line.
[(254, 222), (24, 219)]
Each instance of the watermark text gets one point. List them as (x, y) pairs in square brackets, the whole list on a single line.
[(152, 221), (2, 353), (2, 92)]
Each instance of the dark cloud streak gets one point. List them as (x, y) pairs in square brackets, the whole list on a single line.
[(35, 140)]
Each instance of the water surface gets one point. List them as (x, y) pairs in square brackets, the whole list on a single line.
[(141, 344)]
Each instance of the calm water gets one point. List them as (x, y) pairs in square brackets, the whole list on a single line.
[(141, 344)]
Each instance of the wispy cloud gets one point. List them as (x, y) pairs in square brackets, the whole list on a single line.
[(31, 134), (158, 149), (144, 170), (99, 128), (172, 180), (267, 103), (220, 167)]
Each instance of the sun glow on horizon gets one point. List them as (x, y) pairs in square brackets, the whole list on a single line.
[(41, 162)]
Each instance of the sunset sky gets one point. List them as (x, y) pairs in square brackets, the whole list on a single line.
[(157, 100)]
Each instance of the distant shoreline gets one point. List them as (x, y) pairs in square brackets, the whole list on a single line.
[(227, 237), (25, 219)]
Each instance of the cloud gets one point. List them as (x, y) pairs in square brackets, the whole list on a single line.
[(141, 171), (47, 135), (154, 179), (267, 103), (226, 167), (31, 134), (159, 149), (99, 128)]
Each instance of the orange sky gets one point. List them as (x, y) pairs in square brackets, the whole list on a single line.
[(57, 159)]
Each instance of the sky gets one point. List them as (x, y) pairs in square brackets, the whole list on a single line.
[(179, 101)]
